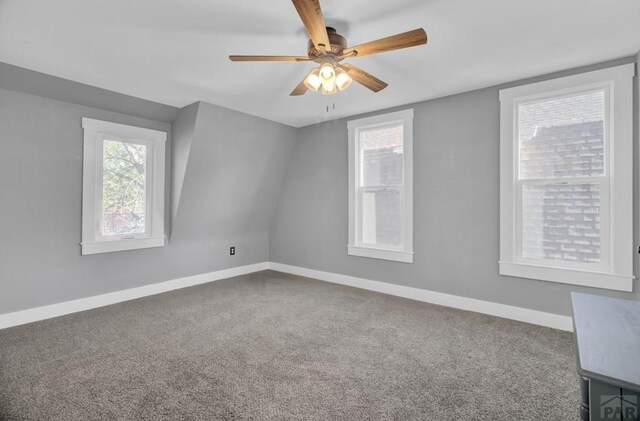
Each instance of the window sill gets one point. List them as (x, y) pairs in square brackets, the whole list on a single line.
[(570, 276), (122, 245), (393, 255)]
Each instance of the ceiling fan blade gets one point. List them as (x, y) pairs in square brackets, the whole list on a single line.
[(394, 42), (301, 89), (364, 78), (268, 58), (311, 15)]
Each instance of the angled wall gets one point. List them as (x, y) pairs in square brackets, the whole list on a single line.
[(228, 166), (182, 131), (236, 164)]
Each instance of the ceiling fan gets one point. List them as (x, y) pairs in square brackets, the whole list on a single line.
[(328, 48)]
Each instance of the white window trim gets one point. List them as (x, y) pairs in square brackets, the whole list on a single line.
[(95, 132), (618, 274), (404, 255)]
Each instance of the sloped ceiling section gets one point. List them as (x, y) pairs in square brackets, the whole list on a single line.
[(228, 169)]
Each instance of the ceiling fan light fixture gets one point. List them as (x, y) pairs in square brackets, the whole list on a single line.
[(327, 70), (343, 80), (313, 80), (329, 88)]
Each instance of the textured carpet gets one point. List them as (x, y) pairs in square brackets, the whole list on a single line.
[(271, 346)]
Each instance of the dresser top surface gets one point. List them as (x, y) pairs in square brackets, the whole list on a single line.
[(607, 332)]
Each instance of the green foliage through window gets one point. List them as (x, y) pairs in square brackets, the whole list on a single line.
[(124, 188)]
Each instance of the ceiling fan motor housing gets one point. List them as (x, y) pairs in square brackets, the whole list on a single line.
[(338, 45)]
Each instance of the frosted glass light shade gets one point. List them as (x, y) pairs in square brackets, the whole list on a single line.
[(313, 80), (343, 80), (327, 72), (329, 88)]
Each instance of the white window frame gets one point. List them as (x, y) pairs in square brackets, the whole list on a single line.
[(95, 133), (355, 247), (616, 270)]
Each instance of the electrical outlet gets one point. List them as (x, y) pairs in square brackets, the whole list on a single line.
[(232, 251)]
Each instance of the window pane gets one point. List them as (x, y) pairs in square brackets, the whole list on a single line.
[(381, 217), (123, 188), (561, 222), (562, 137), (382, 156)]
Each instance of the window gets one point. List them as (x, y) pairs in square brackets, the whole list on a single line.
[(380, 187), (123, 187), (566, 165)]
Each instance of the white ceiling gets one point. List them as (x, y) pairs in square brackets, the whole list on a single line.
[(175, 51)]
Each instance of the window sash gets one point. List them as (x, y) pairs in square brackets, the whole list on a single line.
[(99, 188), (565, 93), (605, 244), (356, 247), (361, 188), (360, 219), (361, 150), (602, 180)]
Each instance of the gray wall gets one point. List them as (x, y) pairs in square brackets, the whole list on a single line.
[(228, 195), (233, 177), (456, 206)]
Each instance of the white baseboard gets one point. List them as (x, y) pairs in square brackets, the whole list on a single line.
[(535, 317), (82, 304)]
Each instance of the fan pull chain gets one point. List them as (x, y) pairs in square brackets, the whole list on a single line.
[(333, 106)]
